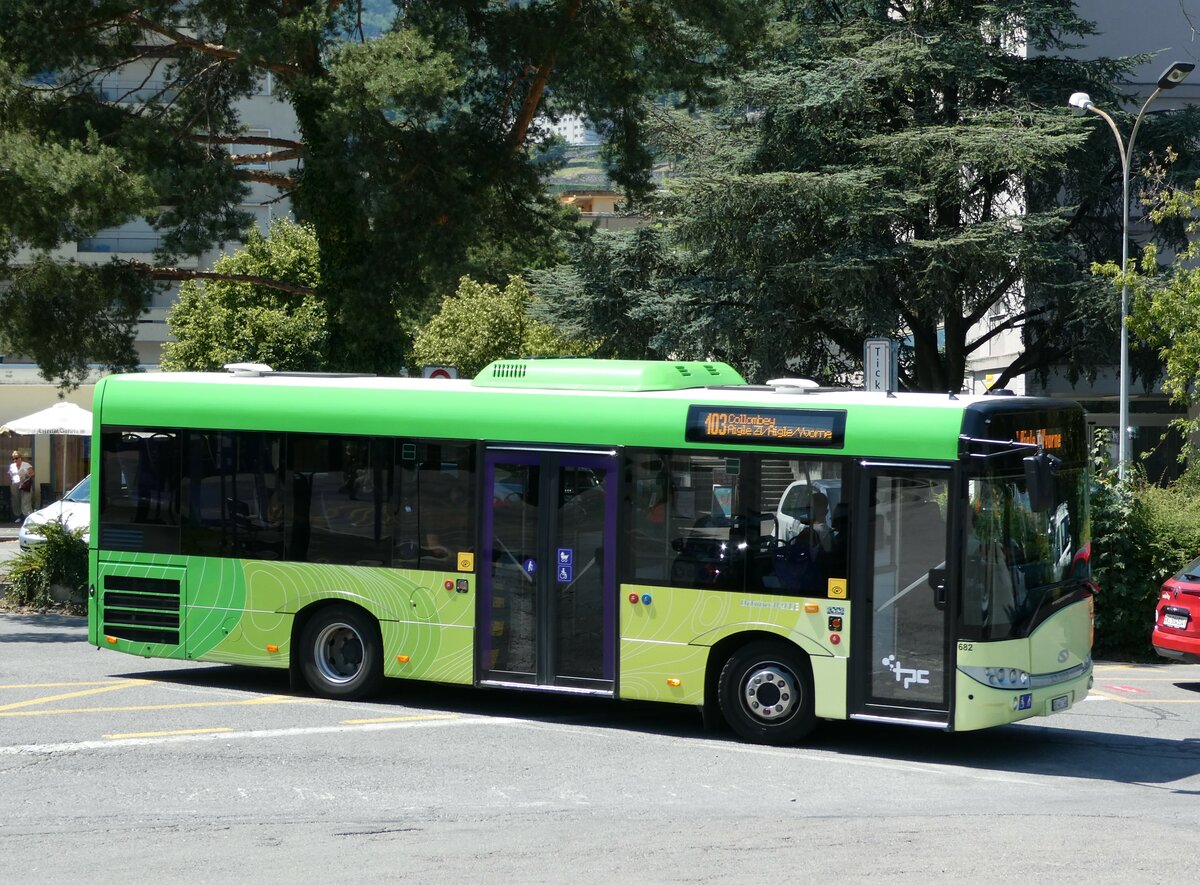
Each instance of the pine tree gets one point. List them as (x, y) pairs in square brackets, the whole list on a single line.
[(907, 169)]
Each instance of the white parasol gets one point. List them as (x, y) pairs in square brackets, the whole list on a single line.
[(66, 419)]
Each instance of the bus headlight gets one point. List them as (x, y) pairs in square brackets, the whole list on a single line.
[(998, 677)]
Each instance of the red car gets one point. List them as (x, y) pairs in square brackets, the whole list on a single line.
[(1177, 622)]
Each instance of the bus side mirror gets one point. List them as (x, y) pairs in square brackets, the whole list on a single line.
[(937, 580), (1040, 471)]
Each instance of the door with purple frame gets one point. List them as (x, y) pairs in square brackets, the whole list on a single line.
[(547, 579)]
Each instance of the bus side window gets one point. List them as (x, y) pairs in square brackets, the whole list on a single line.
[(140, 488), (435, 504), (706, 525), (335, 506), (803, 523), (649, 478)]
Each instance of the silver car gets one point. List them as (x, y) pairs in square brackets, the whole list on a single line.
[(74, 511)]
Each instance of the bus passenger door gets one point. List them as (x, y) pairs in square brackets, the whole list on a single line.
[(548, 572), (902, 587)]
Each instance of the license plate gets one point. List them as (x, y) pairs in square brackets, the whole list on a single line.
[(1177, 622), (1060, 703)]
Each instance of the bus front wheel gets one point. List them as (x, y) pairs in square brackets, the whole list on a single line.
[(341, 653), (766, 693)]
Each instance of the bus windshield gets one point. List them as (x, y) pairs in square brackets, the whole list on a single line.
[(1021, 565)]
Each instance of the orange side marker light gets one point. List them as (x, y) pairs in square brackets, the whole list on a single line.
[(111, 640), (272, 648), (403, 659), (674, 683)]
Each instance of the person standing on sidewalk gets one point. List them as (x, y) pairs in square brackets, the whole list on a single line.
[(20, 478)]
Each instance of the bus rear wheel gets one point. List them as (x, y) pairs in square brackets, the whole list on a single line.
[(341, 653), (766, 693)]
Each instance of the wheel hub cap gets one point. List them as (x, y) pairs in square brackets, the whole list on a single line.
[(770, 693), (339, 653)]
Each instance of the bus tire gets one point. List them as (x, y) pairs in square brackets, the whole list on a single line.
[(766, 693), (341, 653)]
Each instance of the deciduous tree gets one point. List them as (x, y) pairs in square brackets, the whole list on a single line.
[(481, 323), (233, 319), (1166, 306)]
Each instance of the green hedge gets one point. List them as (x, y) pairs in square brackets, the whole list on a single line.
[(62, 561), (1141, 535)]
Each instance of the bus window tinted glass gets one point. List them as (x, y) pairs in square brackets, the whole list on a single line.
[(800, 527), (139, 487), (434, 504), (336, 502), (688, 527), (232, 495), (1021, 562), (765, 525)]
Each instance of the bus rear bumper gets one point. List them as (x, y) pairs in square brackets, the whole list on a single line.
[(981, 706)]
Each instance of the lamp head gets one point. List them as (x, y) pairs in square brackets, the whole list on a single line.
[(1081, 101), (1175, 74)]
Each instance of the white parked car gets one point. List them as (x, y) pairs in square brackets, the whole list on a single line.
[(74, 511)]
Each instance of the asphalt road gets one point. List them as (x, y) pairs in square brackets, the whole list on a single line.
[(124, 769)]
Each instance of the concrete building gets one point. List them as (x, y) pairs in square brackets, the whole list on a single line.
[(575, 130)]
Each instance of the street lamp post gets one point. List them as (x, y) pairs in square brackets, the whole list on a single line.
[(1171, 77)]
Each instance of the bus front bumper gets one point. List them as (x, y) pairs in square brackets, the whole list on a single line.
[(982, 706)]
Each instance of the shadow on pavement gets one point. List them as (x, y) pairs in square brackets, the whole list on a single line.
[(1014, 749), (42, 628), (1028, 748)]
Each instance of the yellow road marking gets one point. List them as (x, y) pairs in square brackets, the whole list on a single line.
[(56, 684), (155, 734), (399, 719), (72, 694), (278, 699)]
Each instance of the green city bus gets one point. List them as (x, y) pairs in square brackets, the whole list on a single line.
[(769, 554)]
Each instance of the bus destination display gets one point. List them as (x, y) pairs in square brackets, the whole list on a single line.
[(811, 428)]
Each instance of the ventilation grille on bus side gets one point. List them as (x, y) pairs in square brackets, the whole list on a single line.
[(686, 370), (508, 370), (141, 609)]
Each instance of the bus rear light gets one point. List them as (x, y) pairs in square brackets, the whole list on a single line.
[(811, 608)]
